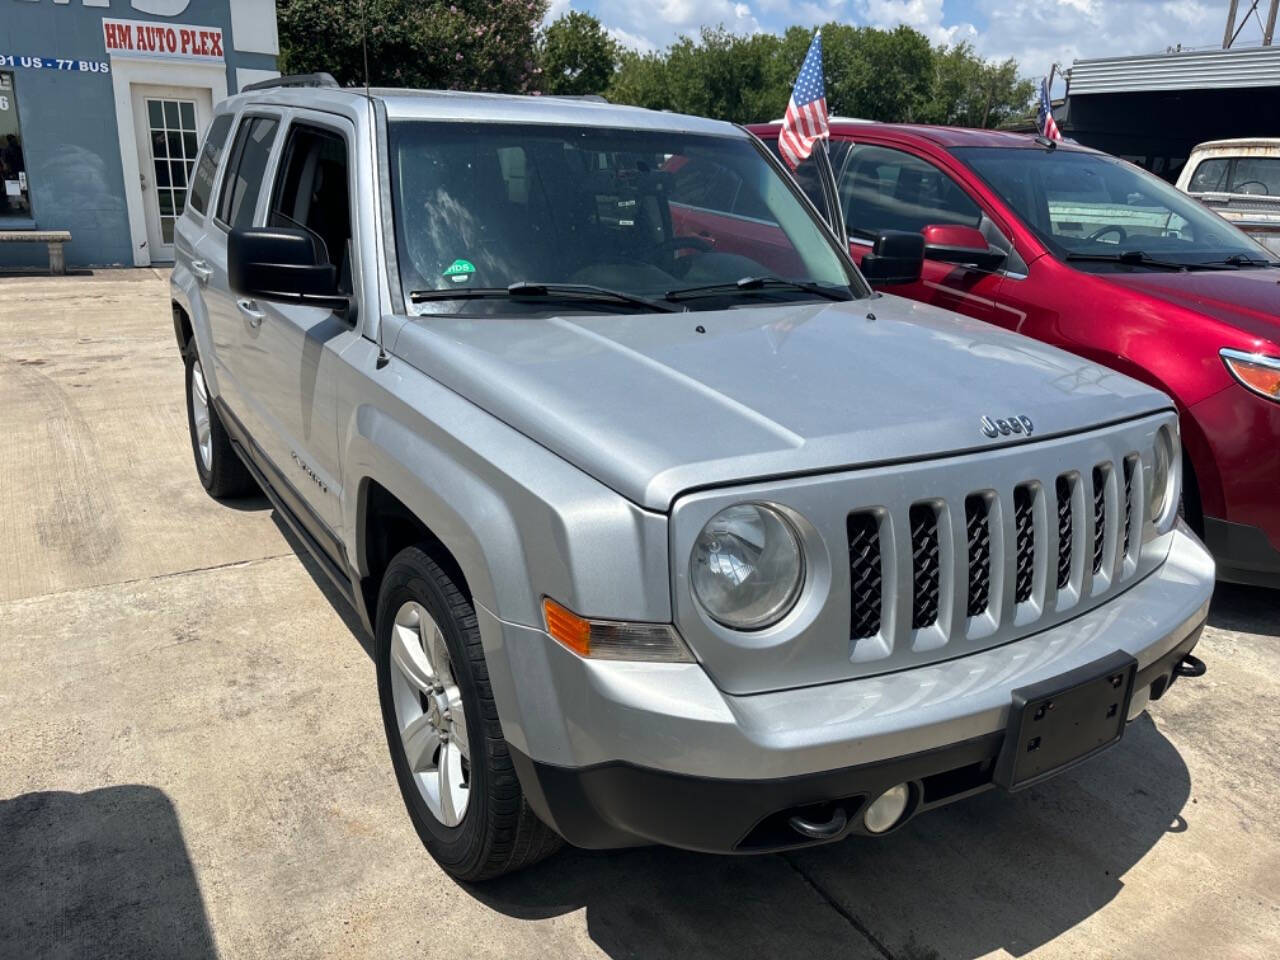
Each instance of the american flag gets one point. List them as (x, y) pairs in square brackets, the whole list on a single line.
[(805, 122), (1044, 117)]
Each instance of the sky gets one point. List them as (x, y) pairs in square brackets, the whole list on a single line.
[(1037, 33)]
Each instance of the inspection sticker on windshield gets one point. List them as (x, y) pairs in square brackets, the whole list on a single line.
[(460, 271)]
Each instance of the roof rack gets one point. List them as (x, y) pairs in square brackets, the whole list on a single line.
[(296, 80)]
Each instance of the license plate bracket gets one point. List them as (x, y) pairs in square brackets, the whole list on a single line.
[(1060, 722)]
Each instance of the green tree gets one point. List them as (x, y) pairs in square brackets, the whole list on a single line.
[(971, 92), (641, 81), (462, 45), (892, 76), (576, 55)]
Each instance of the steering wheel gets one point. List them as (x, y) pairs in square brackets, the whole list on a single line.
[(672, 244), (1112, 228), (1265, 190)]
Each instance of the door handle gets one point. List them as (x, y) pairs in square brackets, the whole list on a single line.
[(201, 271), (251, 312)]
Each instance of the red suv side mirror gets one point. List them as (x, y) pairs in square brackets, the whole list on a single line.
[(955, 243)]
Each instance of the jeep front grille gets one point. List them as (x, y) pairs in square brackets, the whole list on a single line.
[(866, 579), (1099, 517), (1025, 532), (1065, 530), (925, 564), (977, 512), (1015, 557), (1130, 463)]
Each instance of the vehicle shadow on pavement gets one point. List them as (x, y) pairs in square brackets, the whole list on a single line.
[(98, 874), (1246, 609), (995, 871)]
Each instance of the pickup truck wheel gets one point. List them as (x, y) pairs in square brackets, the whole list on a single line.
[(221, 471), (447, 748)]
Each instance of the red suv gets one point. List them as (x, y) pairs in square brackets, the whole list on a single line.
[(1091, 254)]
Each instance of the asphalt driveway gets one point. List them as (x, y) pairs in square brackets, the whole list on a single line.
[(192, 761)]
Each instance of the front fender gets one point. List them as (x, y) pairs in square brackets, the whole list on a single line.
[(519, 521)]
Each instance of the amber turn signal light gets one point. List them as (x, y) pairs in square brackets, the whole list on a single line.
[(1260, 374), (613, 639), (567, 628)]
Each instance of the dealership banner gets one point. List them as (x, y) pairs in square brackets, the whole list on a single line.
[(173, 41)]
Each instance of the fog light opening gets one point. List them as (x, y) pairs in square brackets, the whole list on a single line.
[(886, 810)]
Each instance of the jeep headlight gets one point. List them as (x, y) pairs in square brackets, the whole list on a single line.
[(1163, 497), (748, 566)]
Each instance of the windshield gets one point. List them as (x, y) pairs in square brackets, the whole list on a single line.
[(480, 207), (1090, 205)]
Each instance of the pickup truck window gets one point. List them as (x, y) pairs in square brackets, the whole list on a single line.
[(243, 179), (311, 192), (482, 207), (1105, 214), (207, 165), (886, 189), (1211, 175), (1257, 175)]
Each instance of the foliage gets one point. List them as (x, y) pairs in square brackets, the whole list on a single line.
[(576, 55), (971, 92), (460, 45), (888, 75)]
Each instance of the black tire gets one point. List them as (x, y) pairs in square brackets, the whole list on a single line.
[(225, 476), (499, 832)]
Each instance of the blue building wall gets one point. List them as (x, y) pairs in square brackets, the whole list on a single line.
[(70, 137)]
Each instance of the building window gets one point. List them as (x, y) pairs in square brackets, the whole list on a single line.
[(15, 197), (172, 127)]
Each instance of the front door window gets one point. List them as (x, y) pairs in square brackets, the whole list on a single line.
[(886, 189)]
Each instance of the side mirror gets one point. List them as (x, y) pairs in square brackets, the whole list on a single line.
[(897, 257), (966, 246), (284, 266)]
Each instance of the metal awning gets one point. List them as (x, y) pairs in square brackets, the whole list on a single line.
[(1189, 70)]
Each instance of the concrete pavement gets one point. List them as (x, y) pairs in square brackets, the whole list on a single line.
[(193, 762)]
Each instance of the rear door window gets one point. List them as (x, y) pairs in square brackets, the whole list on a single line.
[(207, 166), (245, 170)]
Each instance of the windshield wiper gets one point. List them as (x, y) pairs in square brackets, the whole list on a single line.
[(1137, 258), (1240, 260), (748, 284), (548, 291)]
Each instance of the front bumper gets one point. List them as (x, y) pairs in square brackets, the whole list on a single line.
[(613, 753), (619, 805)]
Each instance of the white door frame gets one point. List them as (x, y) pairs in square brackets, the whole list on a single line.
[(168, 73)]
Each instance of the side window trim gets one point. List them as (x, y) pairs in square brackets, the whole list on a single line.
[(232, 160)]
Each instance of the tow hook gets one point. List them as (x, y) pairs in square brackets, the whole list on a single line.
[(821, 831), (1190, 667)]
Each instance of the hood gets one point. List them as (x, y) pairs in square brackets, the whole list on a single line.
[(1247, 299), (651, 405)]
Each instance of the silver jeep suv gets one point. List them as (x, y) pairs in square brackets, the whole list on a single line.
[(668, 528)]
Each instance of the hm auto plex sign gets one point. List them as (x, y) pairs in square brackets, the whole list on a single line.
[(173, 41)]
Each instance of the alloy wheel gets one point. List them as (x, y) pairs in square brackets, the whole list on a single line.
[(429, 714)]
